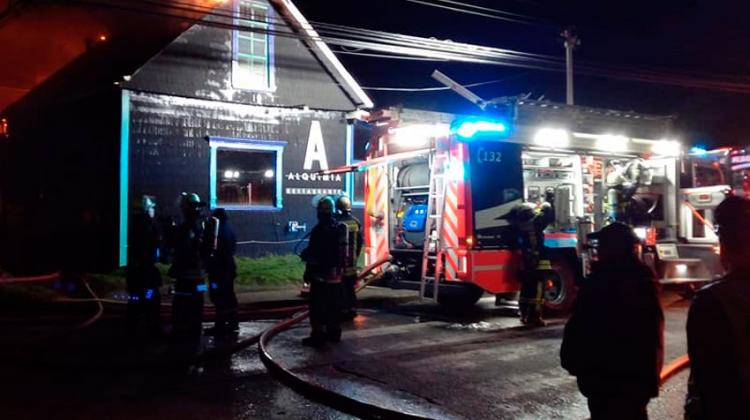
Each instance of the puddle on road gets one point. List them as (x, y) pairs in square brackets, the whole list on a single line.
[(483, 326)]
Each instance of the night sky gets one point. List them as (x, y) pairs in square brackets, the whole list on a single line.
[(707, 39)]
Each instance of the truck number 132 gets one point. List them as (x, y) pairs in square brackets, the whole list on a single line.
[(488, 156)]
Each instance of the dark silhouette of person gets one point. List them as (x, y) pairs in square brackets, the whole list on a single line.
[(324, 258), (718, 326), (191, 250), (222, 271), (614, 339), (143, 277)]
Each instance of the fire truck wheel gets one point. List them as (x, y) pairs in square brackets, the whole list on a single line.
[(463, 297), (559, 287)]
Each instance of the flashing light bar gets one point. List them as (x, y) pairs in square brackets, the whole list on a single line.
[(473, 128), (666, 147), (698, 151), (612, 142), (555, 138)]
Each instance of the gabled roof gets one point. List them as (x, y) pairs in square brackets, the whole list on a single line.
[(56, 47), (323, 53)]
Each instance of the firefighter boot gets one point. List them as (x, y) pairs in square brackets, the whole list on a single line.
[(316, 339)]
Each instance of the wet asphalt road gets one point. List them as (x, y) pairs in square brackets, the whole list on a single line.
[(477, 367), (412, 357)]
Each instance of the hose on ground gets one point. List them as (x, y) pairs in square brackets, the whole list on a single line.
[(31, 279), (318, 392), (673, 368)]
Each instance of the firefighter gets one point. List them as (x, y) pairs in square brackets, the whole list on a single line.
[(623, 181), (529, 222), (221, 273), (353, 249), (324, 258), (143, 278), (191, 250)]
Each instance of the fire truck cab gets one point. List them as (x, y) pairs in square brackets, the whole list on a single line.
[(708, 176), (439, 187)]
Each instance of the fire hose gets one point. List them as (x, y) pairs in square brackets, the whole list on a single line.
[(318, 392), (31, 279)]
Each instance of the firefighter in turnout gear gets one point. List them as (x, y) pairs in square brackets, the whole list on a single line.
[(352, 249), (143, 278), (529, 222), (192, 246), (221, 273), (324, 259)]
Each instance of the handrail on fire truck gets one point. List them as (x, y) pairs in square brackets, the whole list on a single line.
[(431, 250)]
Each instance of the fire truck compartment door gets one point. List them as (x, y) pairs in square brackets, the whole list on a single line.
[(415, 218), (496, 176)]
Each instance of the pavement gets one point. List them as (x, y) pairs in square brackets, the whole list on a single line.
[(400, 353), (418, 360)]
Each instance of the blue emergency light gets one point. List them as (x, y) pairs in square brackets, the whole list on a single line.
[(469, 129), (698, 151)]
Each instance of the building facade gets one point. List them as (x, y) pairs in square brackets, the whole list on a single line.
[(242, 114)]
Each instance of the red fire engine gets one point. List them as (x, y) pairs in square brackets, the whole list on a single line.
[(437, 188)]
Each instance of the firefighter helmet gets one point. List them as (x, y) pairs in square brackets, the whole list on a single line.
[(326, 206), (525, 212), (148, 203), (190, 201), (343, 204)]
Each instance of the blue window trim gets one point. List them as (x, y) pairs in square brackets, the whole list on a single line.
[(276, 146), (349, 161), (270, 49), (124, 175)]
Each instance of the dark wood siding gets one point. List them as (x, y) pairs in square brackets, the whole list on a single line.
[(169, 154)]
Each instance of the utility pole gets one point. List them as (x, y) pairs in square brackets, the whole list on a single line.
[(571, 41)]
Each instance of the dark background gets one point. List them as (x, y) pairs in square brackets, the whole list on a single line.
[(708, 38)]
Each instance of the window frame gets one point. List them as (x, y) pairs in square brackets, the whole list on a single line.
[(276, 146), (270, 85), (349, 187)]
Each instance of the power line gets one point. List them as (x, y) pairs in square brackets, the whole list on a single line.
[(430, 48), (466, 5), (482, 11), (388, 56)]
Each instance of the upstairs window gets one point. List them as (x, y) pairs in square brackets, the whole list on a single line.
[(252, 49)]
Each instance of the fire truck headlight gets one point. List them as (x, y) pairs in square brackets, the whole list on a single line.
[(666, 148), (640, 233), (469, 129), (555, 138)]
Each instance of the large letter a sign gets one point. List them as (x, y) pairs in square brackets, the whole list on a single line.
[(316, 149)]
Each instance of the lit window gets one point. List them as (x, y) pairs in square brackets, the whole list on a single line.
[(246, 174), (252, 55)]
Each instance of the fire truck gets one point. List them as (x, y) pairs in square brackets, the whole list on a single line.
[(438, 188), (708, 176)]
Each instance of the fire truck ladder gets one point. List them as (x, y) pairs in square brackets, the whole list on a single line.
[(432, 268)]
